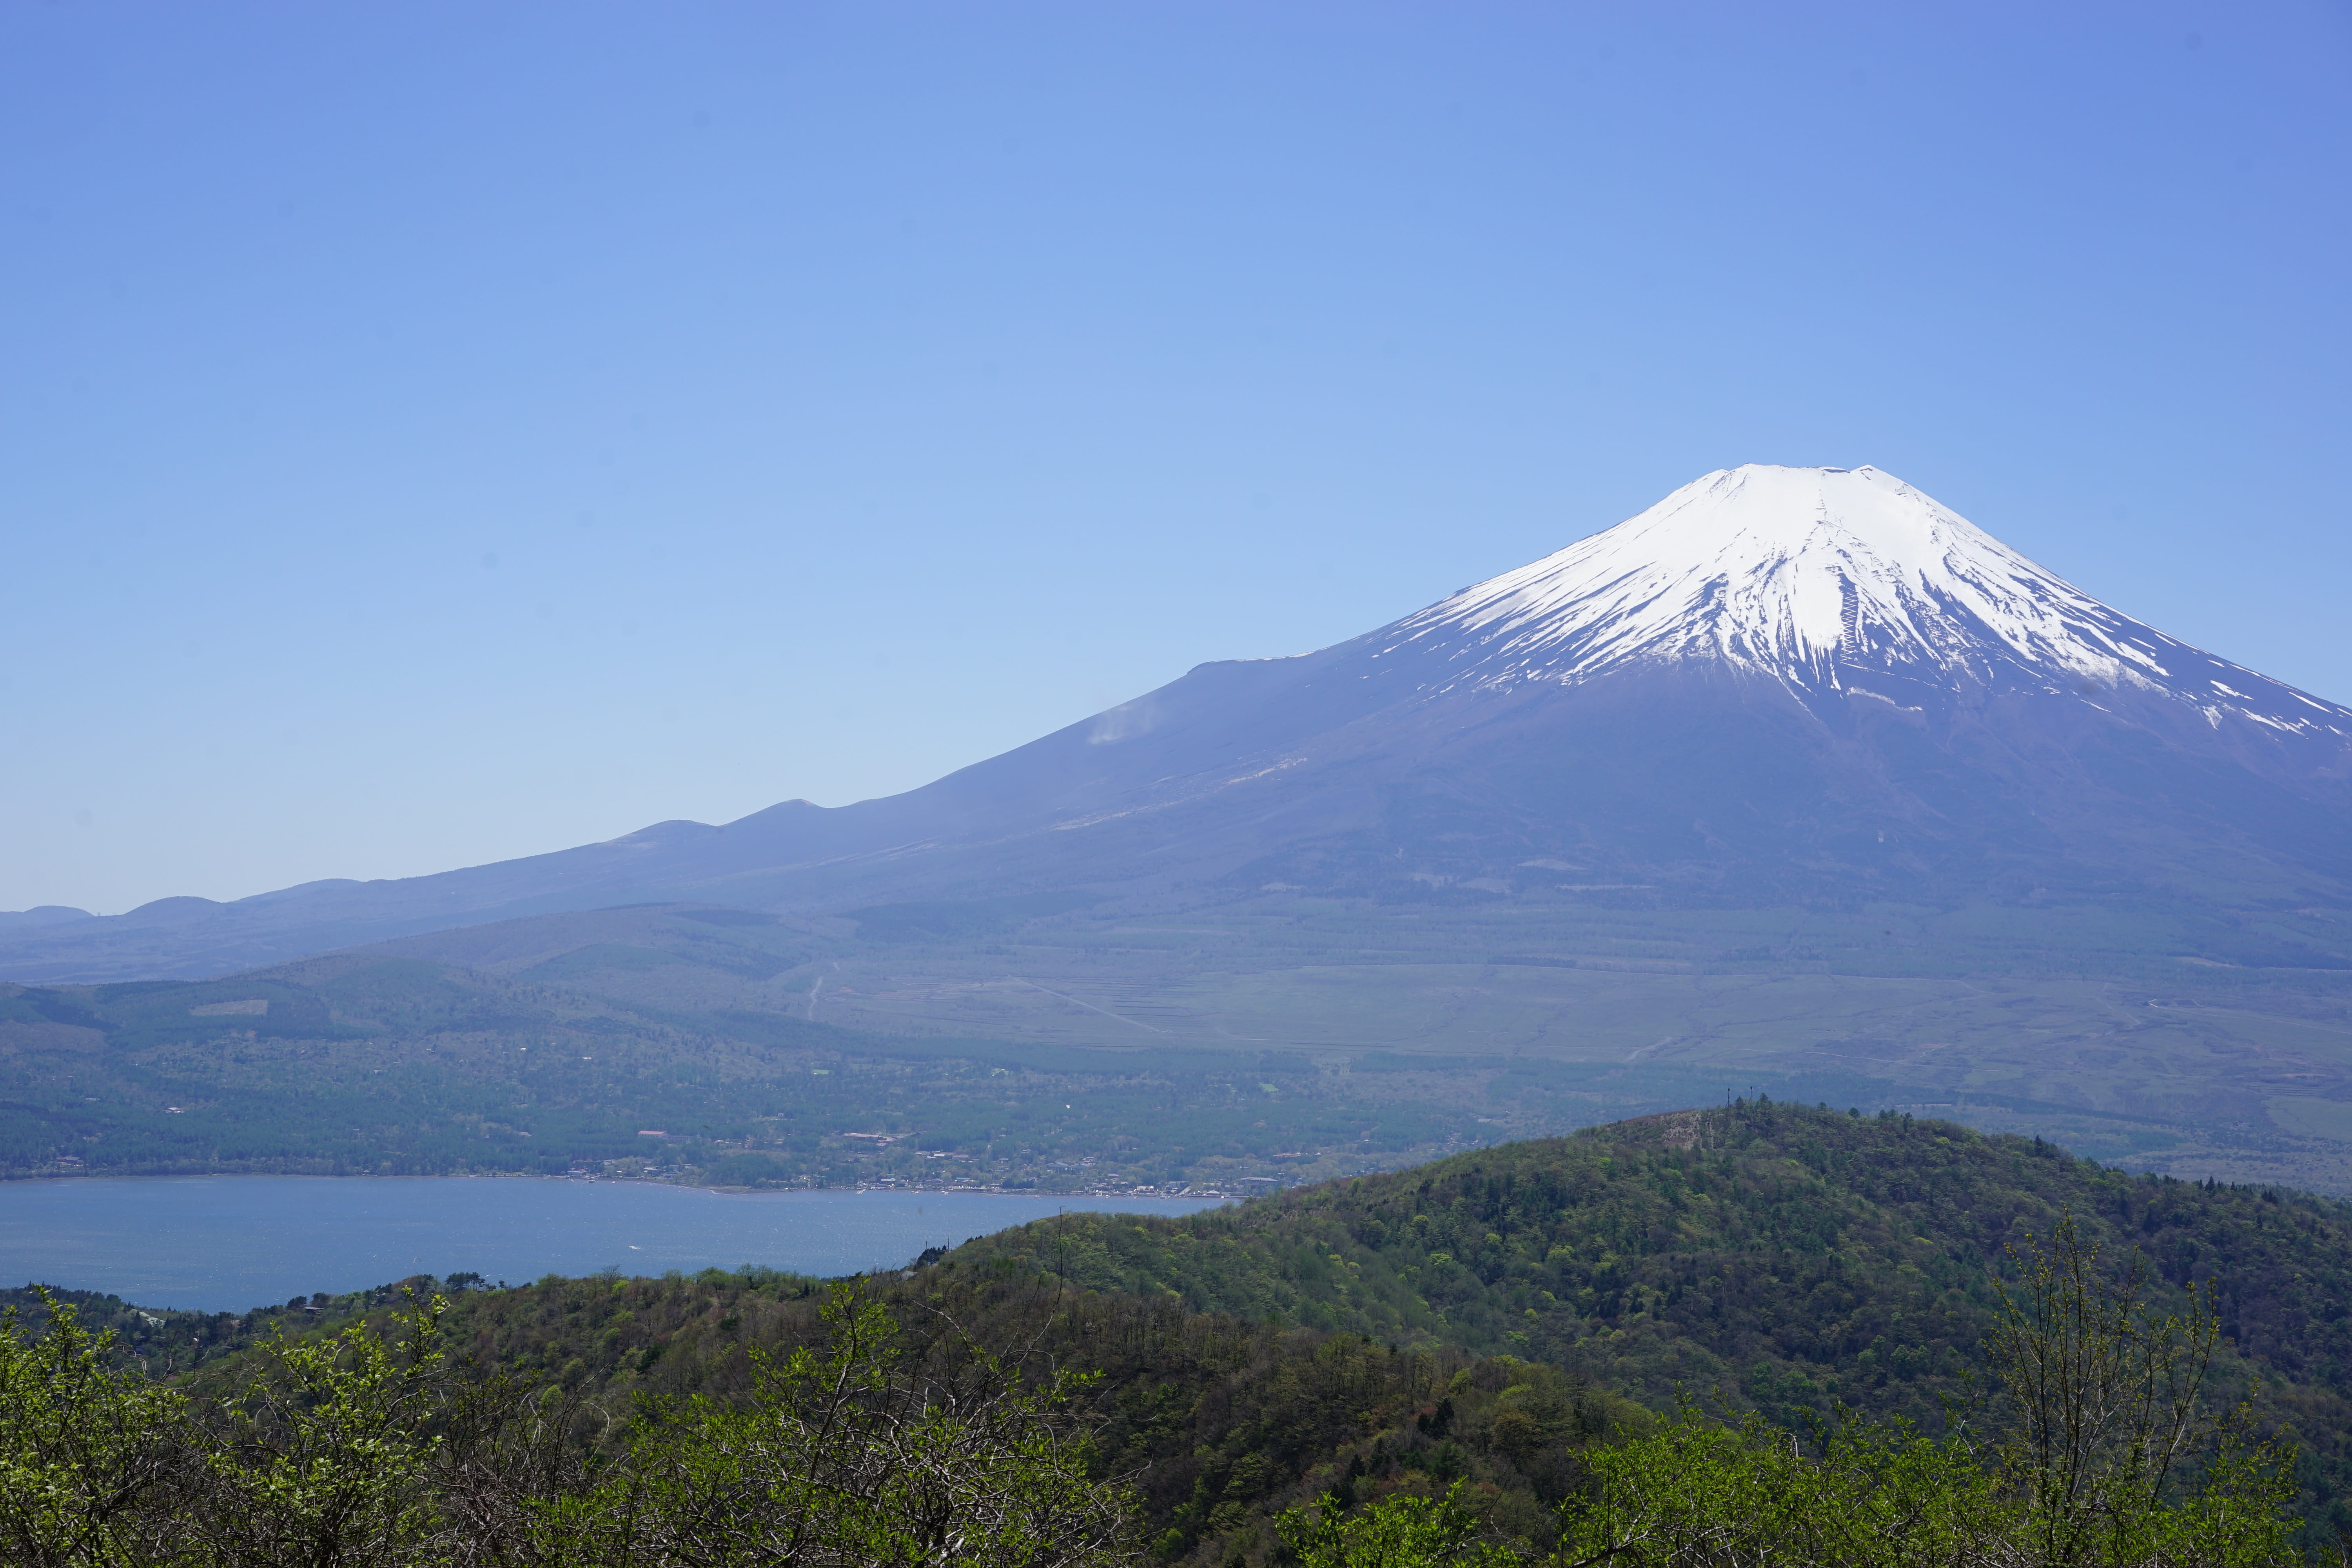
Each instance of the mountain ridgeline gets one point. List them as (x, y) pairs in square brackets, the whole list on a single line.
[(1797, 781), (1776, 687)]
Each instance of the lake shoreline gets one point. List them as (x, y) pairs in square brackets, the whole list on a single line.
[(1191, 1194), (225, 1242)]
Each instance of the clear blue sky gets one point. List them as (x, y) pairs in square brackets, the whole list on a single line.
[(431, 433)]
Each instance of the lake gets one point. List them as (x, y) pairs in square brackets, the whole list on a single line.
[(226, 1244)]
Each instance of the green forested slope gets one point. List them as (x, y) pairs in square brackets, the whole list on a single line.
[(166, 1342), (1218, 1422), (1481, 1317), (1778, 1257)]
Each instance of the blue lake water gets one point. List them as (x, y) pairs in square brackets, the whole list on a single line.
[(225, 1244)]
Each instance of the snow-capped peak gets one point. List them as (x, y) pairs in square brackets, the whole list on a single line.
[(1821, 578)]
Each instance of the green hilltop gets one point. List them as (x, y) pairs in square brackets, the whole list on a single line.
[(1761, 1256), (1491, 1319)]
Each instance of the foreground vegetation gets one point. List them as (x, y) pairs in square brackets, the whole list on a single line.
[(1759, 1334), (906, 1439), (1781, 1260)]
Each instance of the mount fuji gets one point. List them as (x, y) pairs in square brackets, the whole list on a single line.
[(1779, 687), (1827, 580)]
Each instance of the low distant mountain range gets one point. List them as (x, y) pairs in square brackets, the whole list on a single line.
[(1779, 688), (42, 915)]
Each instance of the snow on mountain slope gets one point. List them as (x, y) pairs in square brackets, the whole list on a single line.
[(1820, 578), (1568, 711)]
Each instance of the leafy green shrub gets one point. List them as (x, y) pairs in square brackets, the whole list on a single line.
[(847, 1457), (87, 1450), (1396, 1532), (2101, 1453)]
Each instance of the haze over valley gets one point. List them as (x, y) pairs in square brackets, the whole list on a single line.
[(1797, 781)]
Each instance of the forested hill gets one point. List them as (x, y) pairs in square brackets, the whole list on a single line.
[(1474, 1319), (1781, 1257), (1219, 1422)]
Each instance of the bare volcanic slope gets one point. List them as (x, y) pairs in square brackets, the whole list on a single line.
[(1777, 687)]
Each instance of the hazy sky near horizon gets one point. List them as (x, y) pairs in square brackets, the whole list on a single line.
[(436, 433)]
